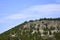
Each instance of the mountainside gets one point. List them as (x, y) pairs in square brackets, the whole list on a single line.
[(42, 29)]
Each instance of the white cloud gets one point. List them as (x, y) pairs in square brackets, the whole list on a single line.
[(43, 10), (13, 17), (35, 11), (17, 16)]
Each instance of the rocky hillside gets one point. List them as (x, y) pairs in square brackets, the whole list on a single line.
[(42, 29)]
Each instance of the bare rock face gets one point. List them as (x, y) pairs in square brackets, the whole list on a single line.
[(51, 38)]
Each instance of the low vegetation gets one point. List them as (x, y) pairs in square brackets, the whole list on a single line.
[(43, 29)]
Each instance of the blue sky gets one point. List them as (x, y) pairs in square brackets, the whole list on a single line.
[(14, 12)]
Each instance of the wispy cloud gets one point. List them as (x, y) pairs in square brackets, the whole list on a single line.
[(43, 9), (35, 11), (17, 16)]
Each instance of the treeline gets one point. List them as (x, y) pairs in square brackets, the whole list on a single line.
[(49, 19)]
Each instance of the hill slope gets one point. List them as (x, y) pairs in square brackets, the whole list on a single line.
[(42, 29)]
